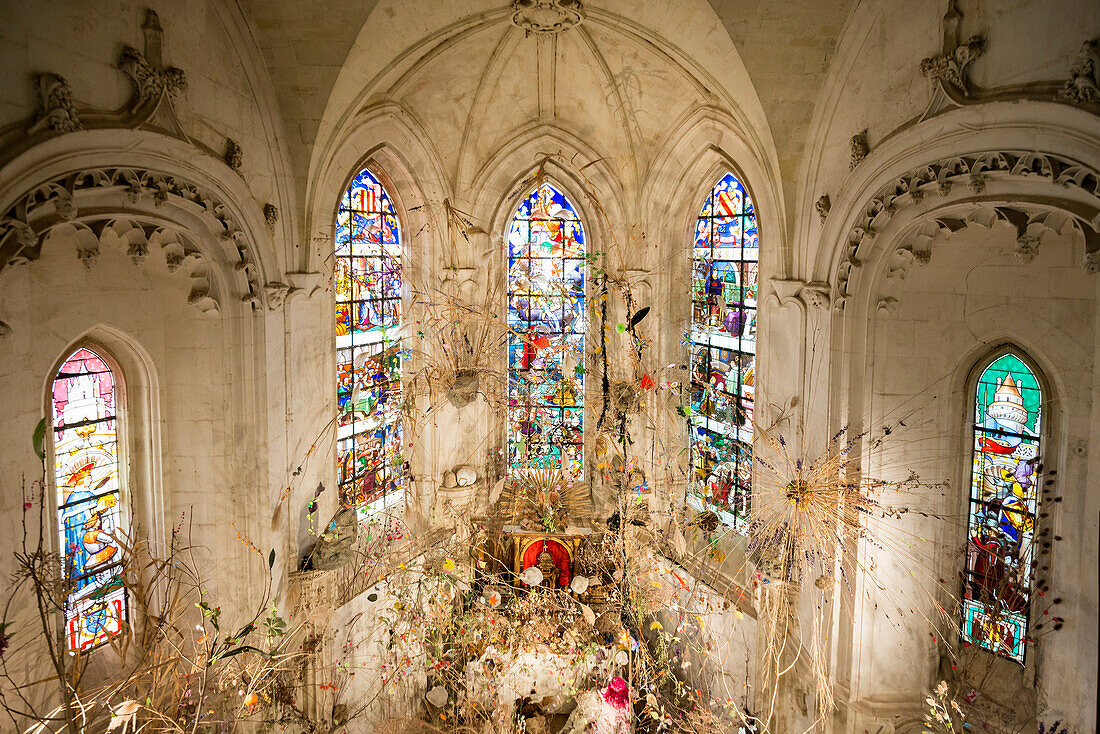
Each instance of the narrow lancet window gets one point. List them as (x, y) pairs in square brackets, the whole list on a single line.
[(1004, 478), (86, 470), (725, 254), (368, 353), (546, 328)]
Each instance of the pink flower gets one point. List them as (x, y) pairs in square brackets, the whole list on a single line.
[(617, 693)]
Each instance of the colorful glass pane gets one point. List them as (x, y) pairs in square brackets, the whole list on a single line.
[(86, 474), (546, 322), (1008, 406), (367, 282), (725, 257)]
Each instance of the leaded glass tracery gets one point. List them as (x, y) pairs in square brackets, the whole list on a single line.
[(368, 354), (546, 323), (725, 255), (84, 413), (1004, 480)]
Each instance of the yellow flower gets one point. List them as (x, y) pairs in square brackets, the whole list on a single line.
[(655, 625), (449, 565)]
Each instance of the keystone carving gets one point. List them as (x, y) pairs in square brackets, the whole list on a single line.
[(546, 16), (55, 105)]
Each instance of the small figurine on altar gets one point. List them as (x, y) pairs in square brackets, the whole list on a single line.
[(602, 712), (549, 569)]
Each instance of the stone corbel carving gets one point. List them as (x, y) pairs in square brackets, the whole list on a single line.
[(816, 295), (5, 329), (55, 102), (271, 216), (234, 155), (1090, 263), (823, 206), (1083, 85), (860, 148), (888, 305), (276, 294)]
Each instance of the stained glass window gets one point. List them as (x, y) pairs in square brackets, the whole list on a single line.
[(1008, 407), (86, 473), (546, 323), (368, 353), (725, 254)]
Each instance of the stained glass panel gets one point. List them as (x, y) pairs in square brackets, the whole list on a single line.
[(367, 281), (725, 256), (86, 474), (1003, 493), (546, 320)]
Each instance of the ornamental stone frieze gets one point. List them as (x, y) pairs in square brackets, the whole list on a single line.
[(146, 211), (1071, 182)]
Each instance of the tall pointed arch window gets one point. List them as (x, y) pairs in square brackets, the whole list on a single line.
[(1004, 479), (546, 328), (368, 353), (84, 399), (725, 255)]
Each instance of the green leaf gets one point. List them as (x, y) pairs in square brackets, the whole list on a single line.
[(271, 559), (40, 439)]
